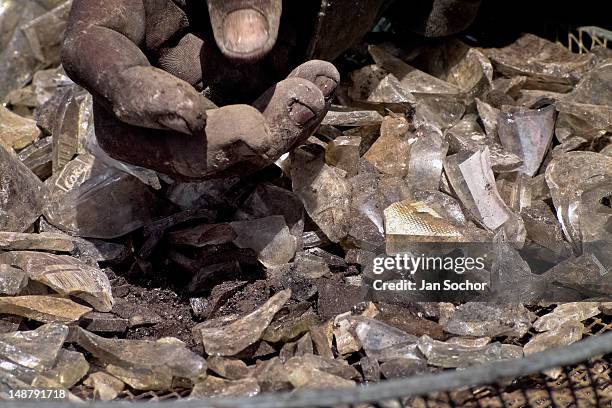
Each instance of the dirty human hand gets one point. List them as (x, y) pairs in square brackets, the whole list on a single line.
[(146, 64)]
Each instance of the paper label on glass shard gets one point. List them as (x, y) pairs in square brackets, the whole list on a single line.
[(73, 174), (417, 221)]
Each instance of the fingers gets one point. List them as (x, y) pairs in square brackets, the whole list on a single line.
[(237, 138), (293, 109), (321, 73), (152, 98), (245, 29), (232, 143)]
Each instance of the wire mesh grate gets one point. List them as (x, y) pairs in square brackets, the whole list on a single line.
[(584, 39), (583, 385)]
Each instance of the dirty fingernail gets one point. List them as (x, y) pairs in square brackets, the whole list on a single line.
[(245, 31), (300, 113), (326, 85)]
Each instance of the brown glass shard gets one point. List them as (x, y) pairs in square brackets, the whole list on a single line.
[(166, 356), (401, 318), (269, 237), (594, 218), (469, 341), (588, 108), (367, 225), (16, 132), (352, 118), (575, 311), (10, 16), (142, 378), (411, 79), (441, 111), (322, 337), (488, 116), (543, 228), (306, 378), (46, 309), (37, 157), (35, 44), (15, 241), (84, 196), (69, 368), (271, 375), (106, 387), (577, 277), (202, 235), (72, 120), (343, 152), (287, 327), (391, 151), (103, 323), (443, 204), (268, 199), (372, 84), (46, 83), (12, 280), (324, 191), (231, 369), (562, 335), (402, 367), (458, 64), (310, 266), (230, 339), (346, 342), (65, 275), (540, 59), (217, 387)]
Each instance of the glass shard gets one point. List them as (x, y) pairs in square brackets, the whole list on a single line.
[(324, 191), (65, 275), (269, 237), (106, 387), (90, 199), (44, 309), (20, 194), (37, 349), (232, 338), (528, 134), (488, 319), (16, 132), (562, 335)]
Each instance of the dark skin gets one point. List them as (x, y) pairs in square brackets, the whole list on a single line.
[(157, 70)]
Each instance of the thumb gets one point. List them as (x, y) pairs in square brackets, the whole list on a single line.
[(245, 30)]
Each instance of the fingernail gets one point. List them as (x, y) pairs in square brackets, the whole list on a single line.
[(300, 113), (245, 31), (326, 85)]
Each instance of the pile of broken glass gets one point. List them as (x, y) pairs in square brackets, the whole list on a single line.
[(446, 143)]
